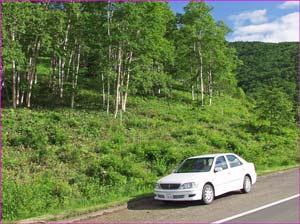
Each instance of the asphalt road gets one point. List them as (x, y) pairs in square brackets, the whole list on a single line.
[(268, 189), (284, 212)]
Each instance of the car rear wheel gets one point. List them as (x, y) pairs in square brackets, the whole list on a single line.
[(208, 194), (247, 185)]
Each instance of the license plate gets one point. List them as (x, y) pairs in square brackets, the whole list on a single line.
[(169, 196)]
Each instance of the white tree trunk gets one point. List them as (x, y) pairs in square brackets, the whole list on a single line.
[(210, 88), (18, 89), (29, 68), (193, 93), (210, 81), (29, 93), (103, 90), (13, 75), (69, 63), (109, 19), (54, 74), (59, 72), (64, 60), (118, 81), (127, 83), (22, 97), (35, 77), (32, 74), (197, 87), (74, 81), (201, 75), (108, 94)]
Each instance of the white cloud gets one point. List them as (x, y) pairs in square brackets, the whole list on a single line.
[(289, 5), (285, 28), (254, 17)]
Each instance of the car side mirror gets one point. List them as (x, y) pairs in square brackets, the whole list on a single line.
[(218, 169)]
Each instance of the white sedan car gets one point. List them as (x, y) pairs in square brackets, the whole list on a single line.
[(204, 177)]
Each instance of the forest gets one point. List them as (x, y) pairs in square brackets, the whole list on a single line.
[(101, 99)]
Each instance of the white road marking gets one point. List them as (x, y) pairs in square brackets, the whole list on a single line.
[(256, 209)]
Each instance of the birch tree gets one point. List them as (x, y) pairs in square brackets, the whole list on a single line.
[(13, 27), (206, 60), (199, 21)]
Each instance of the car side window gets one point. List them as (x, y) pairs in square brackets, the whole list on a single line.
[(221, 162), (233, 161)]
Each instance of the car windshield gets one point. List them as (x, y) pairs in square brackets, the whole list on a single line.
[(195, 165)]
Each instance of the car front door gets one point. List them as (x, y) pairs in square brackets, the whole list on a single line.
[(222, 177)]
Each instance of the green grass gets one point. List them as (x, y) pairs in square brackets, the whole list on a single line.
[(75, 161), (73, 212), (276, 169)]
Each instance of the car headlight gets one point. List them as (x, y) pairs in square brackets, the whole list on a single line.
[(157, 186), (188, 185)]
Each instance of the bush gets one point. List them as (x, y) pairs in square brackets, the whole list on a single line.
[(235, 145), (73, 123), (218, 141), (191, 140), (103, 147), (42, 155), (69, 154), (115, 179), (30, 138), (58, 136)]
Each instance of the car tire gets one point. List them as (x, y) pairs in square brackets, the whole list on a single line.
[(208, 194), (246, 185)]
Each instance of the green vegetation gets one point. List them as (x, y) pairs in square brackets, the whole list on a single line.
[(64, 158), (97, 107), (267, 66), (268, 75)]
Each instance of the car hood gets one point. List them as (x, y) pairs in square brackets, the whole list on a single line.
[(182, 178)]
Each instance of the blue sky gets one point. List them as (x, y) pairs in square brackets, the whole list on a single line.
[(256, 21)]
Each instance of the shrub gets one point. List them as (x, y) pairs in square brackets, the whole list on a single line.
[(191, 140), (103, 147), (69, 154), (118, 138), (73, 123), (235, 145), (218, 141), (42, 155), (58, 136), (156, 150), (115, 179)]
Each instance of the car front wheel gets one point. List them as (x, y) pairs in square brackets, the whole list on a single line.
[(208, 194), (247, 185)]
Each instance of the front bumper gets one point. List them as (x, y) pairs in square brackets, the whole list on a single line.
[(177, 195)]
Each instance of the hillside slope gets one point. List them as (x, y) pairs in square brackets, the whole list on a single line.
[(59, 159), (267, 65)]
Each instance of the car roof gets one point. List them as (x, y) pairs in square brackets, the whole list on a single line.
[(211, 155)]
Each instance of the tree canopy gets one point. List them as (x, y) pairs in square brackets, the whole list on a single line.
[(130, 48)]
